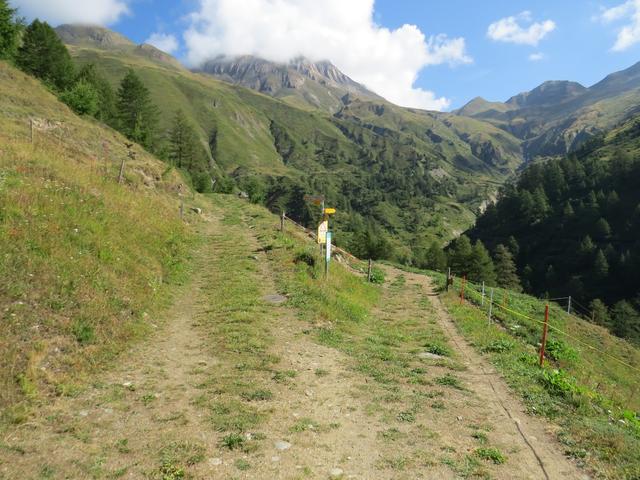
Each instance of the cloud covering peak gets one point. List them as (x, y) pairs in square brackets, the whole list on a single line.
[(386, 61), (98, 12)]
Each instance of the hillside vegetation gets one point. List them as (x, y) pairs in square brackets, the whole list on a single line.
[(85, 260), (589, 385), (573, 226), (405, 175)]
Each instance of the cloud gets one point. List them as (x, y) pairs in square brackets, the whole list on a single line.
[(166, 43), (629, 34), (99, 12), (510, 30), (536, 57), (385, 60)]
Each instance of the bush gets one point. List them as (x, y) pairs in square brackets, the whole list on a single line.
[(559, 383), (82, 98), (557, 350), (377, 276), (83, 331), (498, 346)]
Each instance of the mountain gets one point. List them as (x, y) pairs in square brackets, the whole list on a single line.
[(577, 223), (409, 175), (559, 116), (300, 82)]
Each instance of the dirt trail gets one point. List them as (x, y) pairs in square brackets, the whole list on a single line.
[(149, 417), (540, 453)]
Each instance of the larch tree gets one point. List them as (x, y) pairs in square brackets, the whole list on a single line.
[(43, 55), (137, 115)]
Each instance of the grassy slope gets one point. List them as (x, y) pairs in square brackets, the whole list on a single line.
[(588, 394), (87, 259)]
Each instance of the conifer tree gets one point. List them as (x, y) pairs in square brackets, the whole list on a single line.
[(481, 268), (435, 259), (460, 255), (505, 267), (106, 111), (9, 31), (182, 142), (43, 55), (626, 322), (600, 312), (600, 265), (137, 115)]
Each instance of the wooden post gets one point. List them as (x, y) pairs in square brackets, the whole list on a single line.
[(282, 222), (31, 130), (369, 271), (121, 174), (490, 305), (181, 209), (464, 281), (544, 334), (482, 294), (569, 306)]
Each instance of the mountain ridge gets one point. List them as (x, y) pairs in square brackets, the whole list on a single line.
[(300, 81)]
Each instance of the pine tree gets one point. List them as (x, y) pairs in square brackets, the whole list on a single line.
[(182, 142), (600, 313), (435, 259), (137, 115), (460, 255), (505, 267), (626, 322), (9, 31), (513, 246), (43, 55), (481, 267), (602, 229), (600, 265), (106, 111)]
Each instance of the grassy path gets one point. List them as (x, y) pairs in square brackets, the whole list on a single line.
[(232, 385)]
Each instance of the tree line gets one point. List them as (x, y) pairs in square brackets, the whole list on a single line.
[(577, 220), (37, 50)]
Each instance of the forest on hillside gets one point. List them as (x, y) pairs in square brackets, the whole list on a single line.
[(573, 228)]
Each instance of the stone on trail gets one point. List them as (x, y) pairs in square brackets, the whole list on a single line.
[(275, 298), (430, 355), (215, 461), (336, 473), (282, 445)]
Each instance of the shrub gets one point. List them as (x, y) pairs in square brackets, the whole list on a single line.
[(558, 382), (559, 351), (83, 331), (82, 98), (492, 454)]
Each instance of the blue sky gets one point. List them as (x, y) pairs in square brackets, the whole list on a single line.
[(428, 53)]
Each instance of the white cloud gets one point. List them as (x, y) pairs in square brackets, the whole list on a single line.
[(536, 57), (511, 29), (100, 12), (166, 43), (344, 32), (629, 34)]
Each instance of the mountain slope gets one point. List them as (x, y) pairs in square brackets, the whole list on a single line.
[(559, 116), (577, 221), (414, 174), (88, 259), (301, 82)]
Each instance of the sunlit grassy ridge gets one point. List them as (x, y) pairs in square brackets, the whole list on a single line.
[(85, 260)]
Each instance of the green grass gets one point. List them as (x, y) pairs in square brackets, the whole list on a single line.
[(566, 390), (90, 261)]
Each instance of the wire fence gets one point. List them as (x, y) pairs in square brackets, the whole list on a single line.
[(480, 298)]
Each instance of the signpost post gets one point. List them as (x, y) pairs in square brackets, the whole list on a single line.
[(327, 257)]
